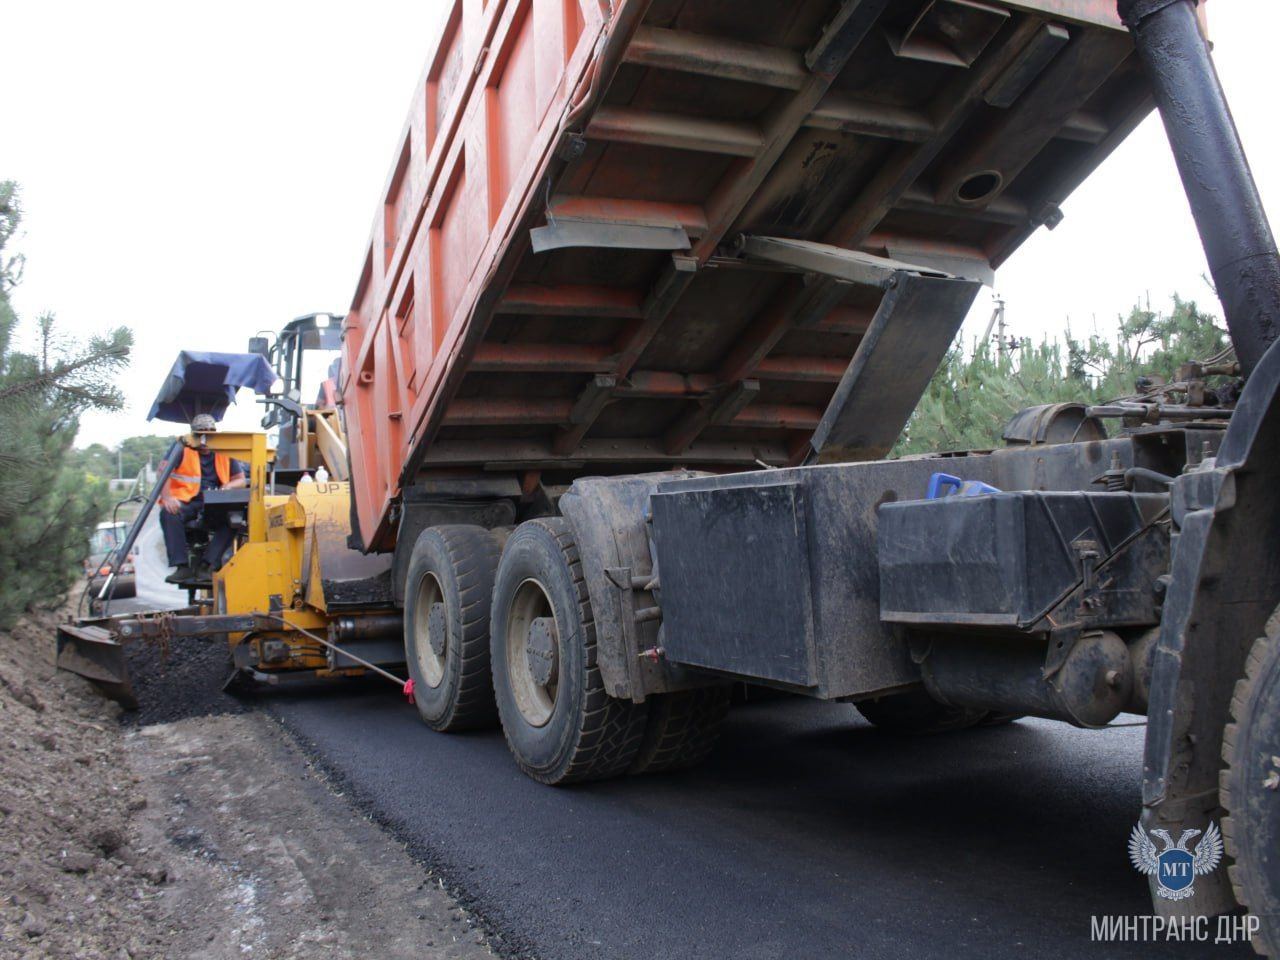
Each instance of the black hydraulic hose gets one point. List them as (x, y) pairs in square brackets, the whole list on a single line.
[(1229, 216)]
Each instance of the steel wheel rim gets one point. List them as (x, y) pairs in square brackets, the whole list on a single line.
[(430, 666), (535, 701)]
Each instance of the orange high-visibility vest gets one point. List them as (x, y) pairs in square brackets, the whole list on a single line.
[(184, 482)]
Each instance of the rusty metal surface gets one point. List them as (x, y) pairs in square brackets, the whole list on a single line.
[(936, 133), (917, 321), (92, 652)]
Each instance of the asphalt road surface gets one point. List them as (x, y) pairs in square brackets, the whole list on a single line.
[(807, 834)]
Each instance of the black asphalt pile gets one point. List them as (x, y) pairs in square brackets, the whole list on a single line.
[(183, 681)]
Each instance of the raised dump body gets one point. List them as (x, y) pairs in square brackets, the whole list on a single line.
[(578, 265)]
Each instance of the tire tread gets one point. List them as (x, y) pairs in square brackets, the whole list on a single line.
[(682, 729), (472, 556), (608, 731), (1234, 766)]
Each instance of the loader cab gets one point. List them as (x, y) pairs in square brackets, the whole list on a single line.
[(305, 355)]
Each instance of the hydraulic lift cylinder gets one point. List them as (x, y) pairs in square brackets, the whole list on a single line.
[(1233, 226), (375, 627)]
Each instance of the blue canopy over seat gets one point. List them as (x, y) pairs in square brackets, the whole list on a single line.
[(207, 383)]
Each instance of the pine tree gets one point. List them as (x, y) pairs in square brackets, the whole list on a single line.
[(970, 399), (48, 507)]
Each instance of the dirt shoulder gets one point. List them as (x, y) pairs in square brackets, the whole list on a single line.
[(74, 880), (266, 860), (208, 837)]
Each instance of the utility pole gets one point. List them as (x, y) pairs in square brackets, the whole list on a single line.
[(1004, 344), (996, 322)]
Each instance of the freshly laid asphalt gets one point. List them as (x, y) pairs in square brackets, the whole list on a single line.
[(807, 834)]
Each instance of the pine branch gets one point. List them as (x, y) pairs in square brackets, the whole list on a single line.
[(54, 377)]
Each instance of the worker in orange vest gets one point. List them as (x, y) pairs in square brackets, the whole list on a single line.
[(182, 500)]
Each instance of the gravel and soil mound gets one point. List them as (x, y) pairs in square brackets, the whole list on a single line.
[(185, 831), (75, 880)]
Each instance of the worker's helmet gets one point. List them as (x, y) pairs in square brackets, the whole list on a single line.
[(204, 423)]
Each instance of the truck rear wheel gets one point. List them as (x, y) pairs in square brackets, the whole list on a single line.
[(448, 592), (560, 723), (682, 728), (1251, 788), (917, 712)]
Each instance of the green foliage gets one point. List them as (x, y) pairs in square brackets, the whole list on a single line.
[(970, 399), (137, 452), (124, 460), (97, 460), (48, 505)]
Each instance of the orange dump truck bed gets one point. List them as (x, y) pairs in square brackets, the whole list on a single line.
[(580, 263)]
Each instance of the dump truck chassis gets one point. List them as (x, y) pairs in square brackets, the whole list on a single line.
[(1145, 572)]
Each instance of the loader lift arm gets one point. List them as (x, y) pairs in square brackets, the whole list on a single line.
[(1225, 580)]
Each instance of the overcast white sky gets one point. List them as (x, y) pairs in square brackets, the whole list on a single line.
[(202, 172)]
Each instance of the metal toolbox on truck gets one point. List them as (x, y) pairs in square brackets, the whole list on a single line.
[(1004, 560)]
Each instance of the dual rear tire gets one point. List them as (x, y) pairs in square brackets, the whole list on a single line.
[(560, 723), (507, 635)]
